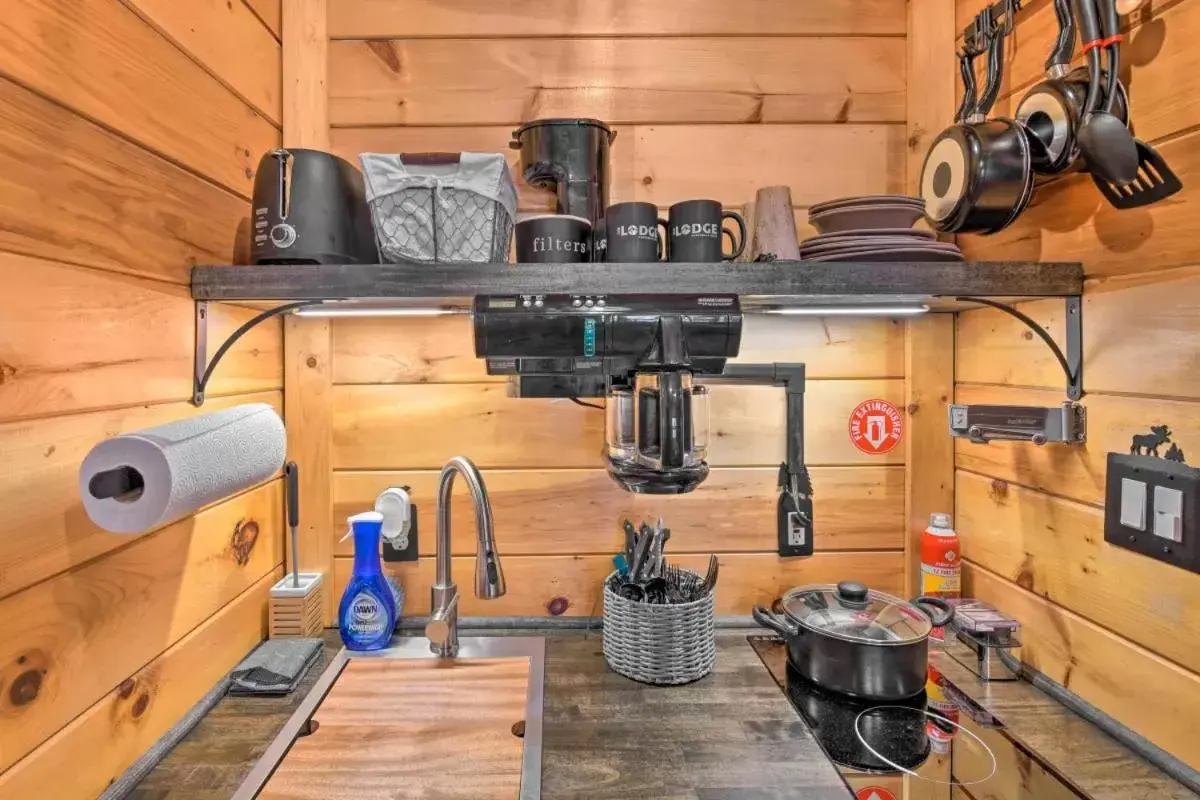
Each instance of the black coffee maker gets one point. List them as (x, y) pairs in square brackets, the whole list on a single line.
[(642, 353)]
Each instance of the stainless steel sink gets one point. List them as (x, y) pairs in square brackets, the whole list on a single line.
[(414, 648)]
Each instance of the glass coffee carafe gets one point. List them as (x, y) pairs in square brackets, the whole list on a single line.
[(656, 434)]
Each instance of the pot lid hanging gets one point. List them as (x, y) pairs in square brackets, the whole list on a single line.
[(854, 613)]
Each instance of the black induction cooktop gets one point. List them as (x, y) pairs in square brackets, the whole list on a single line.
[(938, 745)]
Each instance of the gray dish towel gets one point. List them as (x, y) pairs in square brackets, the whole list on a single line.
[(275, 667)]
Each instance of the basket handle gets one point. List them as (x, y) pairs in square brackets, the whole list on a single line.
[(429, 159)]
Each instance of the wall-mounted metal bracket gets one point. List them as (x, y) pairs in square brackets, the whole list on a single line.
[(1072, 361), (203, 368)]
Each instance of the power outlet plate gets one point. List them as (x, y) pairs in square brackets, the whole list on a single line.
[(794, 523), (392, 553), (1152, 506)]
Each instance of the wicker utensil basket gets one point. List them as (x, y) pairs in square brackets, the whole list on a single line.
[(660, 644)]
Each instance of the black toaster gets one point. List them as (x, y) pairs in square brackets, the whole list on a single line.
[(310, 207)]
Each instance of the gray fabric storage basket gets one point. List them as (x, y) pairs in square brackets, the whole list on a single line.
[(440, 213), (659, 644)]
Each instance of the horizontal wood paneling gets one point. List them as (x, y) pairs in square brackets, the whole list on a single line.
[(580, 511), (422, 426), (229, 40), (270, 12), (66, 642), (642, 80), (663, 164), (1055, 548), (43, 527), (1156, 698), (131, 717), (1125, 320), (441, 349), (1076, 471), (388, 19), (72, 191), (121, 72), (74, 339), (534, 581)]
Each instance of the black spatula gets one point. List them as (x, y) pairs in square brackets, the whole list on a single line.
[(1155, 181)]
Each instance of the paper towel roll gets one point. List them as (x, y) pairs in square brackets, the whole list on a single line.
[(139, 481)]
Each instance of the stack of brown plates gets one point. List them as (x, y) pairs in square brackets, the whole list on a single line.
[(877, 228)]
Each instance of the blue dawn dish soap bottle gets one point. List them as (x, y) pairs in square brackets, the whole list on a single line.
[(367, 614)]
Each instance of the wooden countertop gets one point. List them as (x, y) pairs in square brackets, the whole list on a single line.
[(731, 735)]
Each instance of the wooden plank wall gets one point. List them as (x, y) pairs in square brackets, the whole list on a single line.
[(129, 132), (709, 100), (1112, 625)]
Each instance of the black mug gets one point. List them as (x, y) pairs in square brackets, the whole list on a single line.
[(554, 239), (632, 233), (694, 232), (599, 242)]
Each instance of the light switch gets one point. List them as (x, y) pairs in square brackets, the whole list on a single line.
[(1133, 504), (1168, 513)]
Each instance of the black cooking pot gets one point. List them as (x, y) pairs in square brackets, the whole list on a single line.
[(978, 174), (849, 639)]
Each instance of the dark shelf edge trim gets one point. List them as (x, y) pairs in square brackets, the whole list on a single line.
[(780, 278)]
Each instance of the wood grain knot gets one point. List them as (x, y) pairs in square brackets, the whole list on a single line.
[(913, 408), (126, 688), (518, 729), (999, 489), (558, 606), (1027, 335), (25, 688), (241, 544), (140, 705), (649, 179), (311, 361), (7, 373)]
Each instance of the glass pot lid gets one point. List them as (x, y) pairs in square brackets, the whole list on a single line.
[(850, 611)]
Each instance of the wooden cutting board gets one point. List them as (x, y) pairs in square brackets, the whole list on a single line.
[(412, 728)]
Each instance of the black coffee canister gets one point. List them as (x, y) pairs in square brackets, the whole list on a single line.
[(554, 239)]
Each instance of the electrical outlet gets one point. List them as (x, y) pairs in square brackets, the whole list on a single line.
[(1152, 506), (408, 543), (794, 524)]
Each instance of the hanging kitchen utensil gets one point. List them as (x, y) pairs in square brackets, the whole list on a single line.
[(1105, 141), (978, 175), (1053, 109), (1151, 179)]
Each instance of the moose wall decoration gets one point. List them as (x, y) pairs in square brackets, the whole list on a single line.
[(1147, 444)]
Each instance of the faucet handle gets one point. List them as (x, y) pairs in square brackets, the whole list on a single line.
[(438, 629)]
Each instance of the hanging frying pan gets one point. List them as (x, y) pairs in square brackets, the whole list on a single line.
[(1051, 111), (978, 175)]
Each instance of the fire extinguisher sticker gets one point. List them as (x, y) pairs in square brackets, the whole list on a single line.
[(876, 426)]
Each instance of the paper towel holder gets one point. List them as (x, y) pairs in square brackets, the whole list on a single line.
[(203, 368), (123, 484)]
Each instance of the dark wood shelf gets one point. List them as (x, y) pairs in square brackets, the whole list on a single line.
[(867, 282)]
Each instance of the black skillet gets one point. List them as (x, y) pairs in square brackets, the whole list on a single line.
[(978, 175)]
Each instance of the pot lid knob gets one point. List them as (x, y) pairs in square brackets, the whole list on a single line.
[(852, 592)]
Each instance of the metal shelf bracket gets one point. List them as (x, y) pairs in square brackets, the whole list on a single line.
[(203, 368), (1072, 361)]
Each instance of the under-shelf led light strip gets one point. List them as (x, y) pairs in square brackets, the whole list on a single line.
[(337, 310)]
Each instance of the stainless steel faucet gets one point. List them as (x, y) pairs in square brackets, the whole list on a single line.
[(442, 629)]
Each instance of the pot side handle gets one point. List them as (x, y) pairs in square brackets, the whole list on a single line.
[(773, 621), (938, 620)]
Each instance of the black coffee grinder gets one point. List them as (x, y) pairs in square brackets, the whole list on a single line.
[(570, 158)]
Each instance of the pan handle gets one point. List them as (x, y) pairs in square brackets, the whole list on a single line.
[(1064, 45), (938, 620), (773, 621)]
